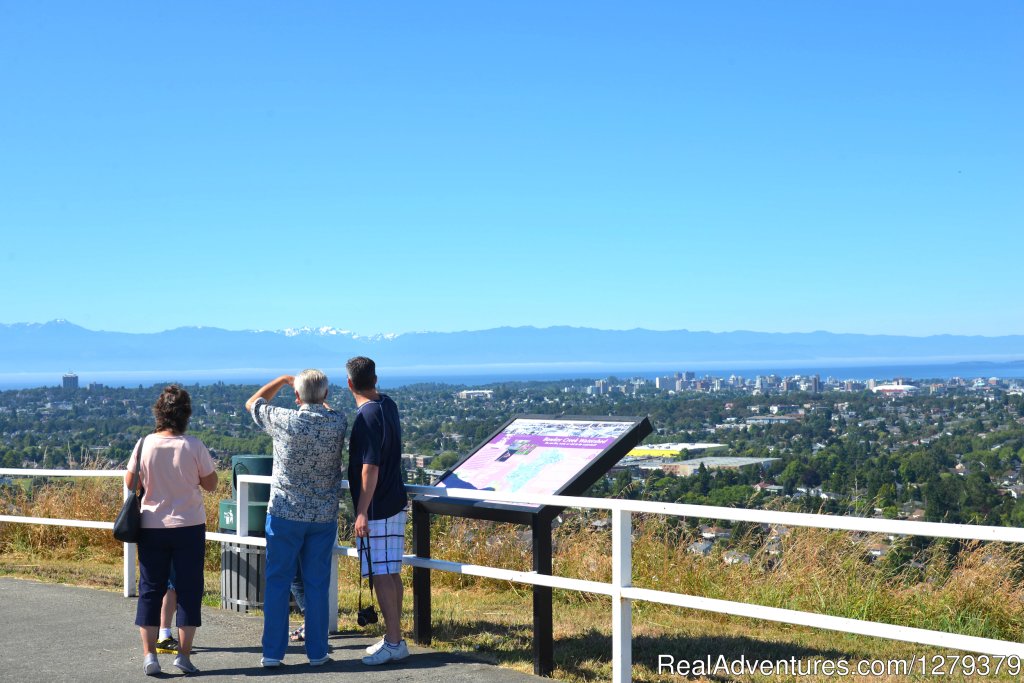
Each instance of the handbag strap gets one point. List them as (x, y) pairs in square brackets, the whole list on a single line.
[(138, 464)]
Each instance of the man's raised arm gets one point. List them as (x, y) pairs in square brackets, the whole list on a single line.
[(269, 390)]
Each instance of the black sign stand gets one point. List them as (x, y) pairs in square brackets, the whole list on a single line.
[(543, 621), (421, 625), (538, 518)]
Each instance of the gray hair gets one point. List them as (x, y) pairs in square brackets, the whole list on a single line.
[(311, 386)]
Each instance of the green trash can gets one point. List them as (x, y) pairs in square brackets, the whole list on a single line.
[(228, 521), (262, 465)]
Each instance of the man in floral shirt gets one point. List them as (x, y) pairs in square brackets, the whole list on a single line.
[(302, 516)]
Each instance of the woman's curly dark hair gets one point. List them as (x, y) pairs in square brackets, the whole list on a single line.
[(173, 409)]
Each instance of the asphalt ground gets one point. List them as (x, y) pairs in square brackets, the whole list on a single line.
[(50, 633)]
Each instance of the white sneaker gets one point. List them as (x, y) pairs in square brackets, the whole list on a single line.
[(185, 665), (321, 661), (387, 653), (376, 646), (269, 663), (151, 665)]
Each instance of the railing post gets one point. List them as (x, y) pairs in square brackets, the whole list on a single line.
[(622, 608), (130, 583), (242, 509)]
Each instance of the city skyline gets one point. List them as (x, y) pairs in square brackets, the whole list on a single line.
[(810, 166)]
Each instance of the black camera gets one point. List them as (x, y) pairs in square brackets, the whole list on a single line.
[(366, 616)]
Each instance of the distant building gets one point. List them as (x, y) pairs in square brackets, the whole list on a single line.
[(70, 381), (690, 467), (412, 462), (893, 389), (702, 548), (476, 393), (712, 533), (770, 420), (95, 386), (422, 460), (664, 450), (735, 557), (877, 550), (786, 410)]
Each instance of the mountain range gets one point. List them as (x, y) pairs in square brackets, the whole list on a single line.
[(59, 346)]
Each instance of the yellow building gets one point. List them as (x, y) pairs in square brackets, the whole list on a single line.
[(671, 450)]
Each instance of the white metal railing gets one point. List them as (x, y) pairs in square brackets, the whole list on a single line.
[(621, 589)]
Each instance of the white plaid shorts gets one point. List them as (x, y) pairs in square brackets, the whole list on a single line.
[(386, 545)]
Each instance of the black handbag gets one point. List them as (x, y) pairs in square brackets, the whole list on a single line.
[(129, 520)]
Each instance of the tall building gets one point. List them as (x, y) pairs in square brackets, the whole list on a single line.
[(70, 381)]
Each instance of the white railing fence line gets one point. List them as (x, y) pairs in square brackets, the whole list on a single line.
[(621, 589)]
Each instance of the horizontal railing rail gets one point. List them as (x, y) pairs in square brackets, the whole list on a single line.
[(621, 589)]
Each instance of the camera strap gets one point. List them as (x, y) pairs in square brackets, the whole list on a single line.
[(364, 546)]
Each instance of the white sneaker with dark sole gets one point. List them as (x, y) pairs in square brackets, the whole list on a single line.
[(387, 654), (151, 665), (185, 665)]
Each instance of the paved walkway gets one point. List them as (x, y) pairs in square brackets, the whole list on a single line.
[(57, 633)]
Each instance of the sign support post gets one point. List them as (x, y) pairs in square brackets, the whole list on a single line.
[(543, 620), (422, 630)]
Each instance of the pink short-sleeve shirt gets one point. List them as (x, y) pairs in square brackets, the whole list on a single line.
[(170, 472)]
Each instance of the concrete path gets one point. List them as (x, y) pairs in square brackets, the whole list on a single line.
[(58, 633)]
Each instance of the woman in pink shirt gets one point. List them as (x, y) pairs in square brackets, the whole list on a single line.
[(172, 469)]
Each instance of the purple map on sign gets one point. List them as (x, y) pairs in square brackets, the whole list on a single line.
[(535, 455)]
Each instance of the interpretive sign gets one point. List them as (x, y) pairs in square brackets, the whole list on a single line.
[(539, 454), (529, 454)]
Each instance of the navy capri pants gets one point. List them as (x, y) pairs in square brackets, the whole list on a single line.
[(184, 548)]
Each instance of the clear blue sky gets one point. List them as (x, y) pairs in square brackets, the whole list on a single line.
[(388, 167)]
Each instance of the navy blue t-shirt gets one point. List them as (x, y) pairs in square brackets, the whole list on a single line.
[(377, 440)]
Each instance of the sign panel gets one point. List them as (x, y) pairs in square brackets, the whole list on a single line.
[(534, 456), (539, 455)]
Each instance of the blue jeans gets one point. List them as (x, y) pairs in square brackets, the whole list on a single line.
[(288, 542)]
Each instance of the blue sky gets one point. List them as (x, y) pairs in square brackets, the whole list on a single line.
[(388, 167)]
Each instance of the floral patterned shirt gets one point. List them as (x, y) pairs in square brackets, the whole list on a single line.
[(306, 480)]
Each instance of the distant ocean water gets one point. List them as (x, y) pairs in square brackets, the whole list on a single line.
[(491, 374)]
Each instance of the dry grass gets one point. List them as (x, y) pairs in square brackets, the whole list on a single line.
[(85, 499)]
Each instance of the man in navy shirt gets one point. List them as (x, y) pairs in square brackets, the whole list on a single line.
[(377, 485)]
